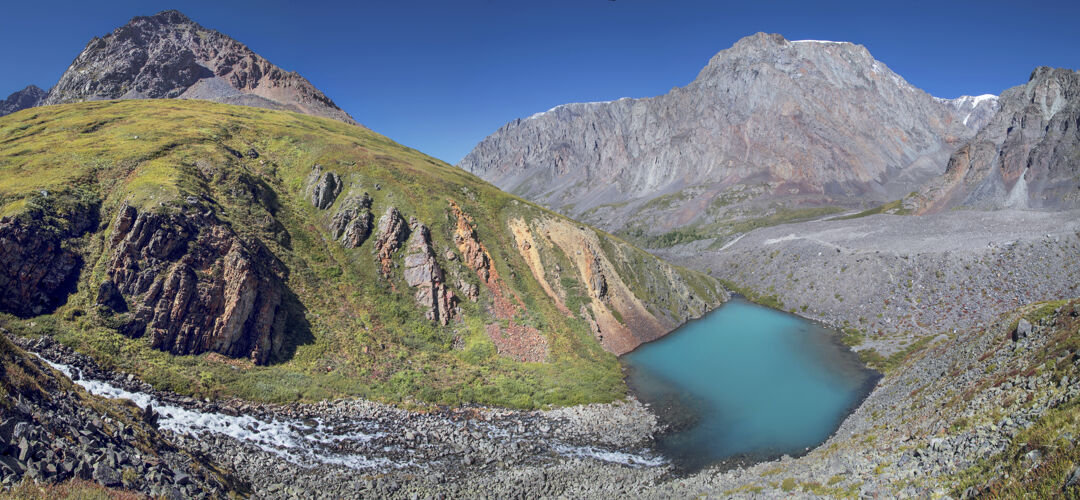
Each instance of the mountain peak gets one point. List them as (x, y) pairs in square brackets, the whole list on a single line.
[(761, 39), (28, 97), (167, 17), (167, 55)]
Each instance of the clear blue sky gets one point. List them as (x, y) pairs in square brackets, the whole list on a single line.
[(440, 75)]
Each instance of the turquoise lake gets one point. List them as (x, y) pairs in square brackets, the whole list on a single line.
[(746, 383)]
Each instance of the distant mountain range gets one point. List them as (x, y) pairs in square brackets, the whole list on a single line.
[(803, 122), (168, 55)]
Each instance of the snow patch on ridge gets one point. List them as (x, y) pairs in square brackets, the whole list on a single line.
[(536, 115), (818, 41)]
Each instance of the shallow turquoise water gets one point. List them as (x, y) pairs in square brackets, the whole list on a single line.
[(746, 383)]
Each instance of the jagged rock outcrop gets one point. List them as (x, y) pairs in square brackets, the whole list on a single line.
[(36, 272), (473, 252), (392, 233), (352, 224), (807, 120), (422, 272), (1027, 156), (324, 187), (168, 55), (619, 318), (28, 97), (194, 286)]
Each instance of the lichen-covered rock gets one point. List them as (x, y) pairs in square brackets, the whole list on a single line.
[(392, 233), (352, 224), (324, 187), (194, 286), (422, 272)]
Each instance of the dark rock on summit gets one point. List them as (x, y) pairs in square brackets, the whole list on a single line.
[(28, 97), (168, 55)]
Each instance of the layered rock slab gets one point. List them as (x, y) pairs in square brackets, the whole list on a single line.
[(194, 286)]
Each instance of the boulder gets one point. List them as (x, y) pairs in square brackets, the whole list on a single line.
[(1023, 329), (324, 187), (109, 296), (352, 224)]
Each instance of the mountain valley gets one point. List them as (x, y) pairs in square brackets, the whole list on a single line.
[(215, 283)]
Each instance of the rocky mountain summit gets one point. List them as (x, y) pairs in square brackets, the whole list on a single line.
[(1027, 156), (168, 56), (769, 119), (28, 97)]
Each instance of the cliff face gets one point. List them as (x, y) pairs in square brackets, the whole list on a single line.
[(193, 286), (168, 55), (1027, 156), (794, 119)]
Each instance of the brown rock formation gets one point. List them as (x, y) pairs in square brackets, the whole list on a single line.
[(422, 272), (194, 286), (392, 233), (35, 271), (523, 343)]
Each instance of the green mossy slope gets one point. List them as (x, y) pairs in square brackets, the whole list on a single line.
[(351, 332)]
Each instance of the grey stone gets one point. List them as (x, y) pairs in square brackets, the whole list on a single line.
[(106, 475), (1023, 328)]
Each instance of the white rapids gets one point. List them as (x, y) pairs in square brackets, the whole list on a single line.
[(308, 442)]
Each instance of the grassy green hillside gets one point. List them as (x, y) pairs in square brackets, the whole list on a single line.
[(349, 331)]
